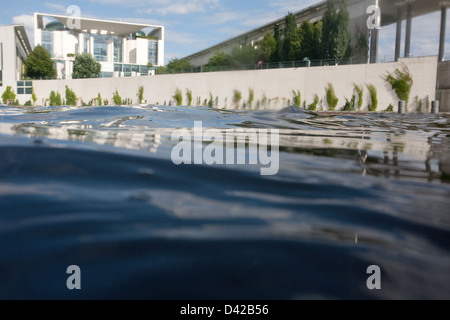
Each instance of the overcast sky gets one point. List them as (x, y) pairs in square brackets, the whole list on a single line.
[(193, 25)]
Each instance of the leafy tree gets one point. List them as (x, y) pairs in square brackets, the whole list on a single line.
[(310, 36), (218, 60), (71, 98), (335, 35), (140, 94), (291, 37), (176, 65), (39, 64), (85, 66), (401, 82), (267, 47)]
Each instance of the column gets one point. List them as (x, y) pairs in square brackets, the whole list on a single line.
[(442, 35), (408, 30), (110, 50), (80, 43), (125, 54), (398, 37), (91, 45), (373, 45)]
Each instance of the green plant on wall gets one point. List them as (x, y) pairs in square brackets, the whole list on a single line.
[(332, 100), (116, 98), (211, 100), (71, 98), (55, 99), (313, 106), (349, 105), (178, 96), (251, 97), (373, 105), (33, 95), (237, 97), (401, 82), (99, 100), (189, 96), (297, 97), (360, 93), (140, 94), (8, 95)]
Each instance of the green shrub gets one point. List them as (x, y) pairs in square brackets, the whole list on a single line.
[(116, 98), (332, 100), (297, 97), (71, 98), (140, 94), (237, 97), (401, 82), (28, 103), (390, 108), (251, 97), (55, 99), (349, 105), (373, 97), (178, 96), (313, 106), (99, 100), (211, 99), (189, 96), (360, 92), (8, 95), (33, 95)]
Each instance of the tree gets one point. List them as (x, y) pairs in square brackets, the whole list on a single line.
[(290, 37), (85, 66), (176, 65), (335, 35), (267, 47), (39, 64), (310, 36), (55, 99)]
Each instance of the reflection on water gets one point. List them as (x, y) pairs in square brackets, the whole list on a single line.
[(403, 146), (96, 187)]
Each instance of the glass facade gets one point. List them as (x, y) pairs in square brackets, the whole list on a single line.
[(117, 50), (100, 48), (47, 41), (153, 52)]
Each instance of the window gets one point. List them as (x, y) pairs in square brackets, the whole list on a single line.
[(1, 78), (24, 87), (47, 41), (153, 52), (100, 48), (117, 50)]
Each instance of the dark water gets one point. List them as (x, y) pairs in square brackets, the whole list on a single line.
[(96, 187)]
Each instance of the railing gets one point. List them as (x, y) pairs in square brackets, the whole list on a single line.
[(271, 65)]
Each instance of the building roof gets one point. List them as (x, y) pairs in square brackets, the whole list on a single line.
[(23, 38), (96, 26)]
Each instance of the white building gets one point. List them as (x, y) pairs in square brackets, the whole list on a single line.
[(14, 50), (122, 48)]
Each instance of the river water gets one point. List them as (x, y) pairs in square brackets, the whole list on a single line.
[(97, 188)]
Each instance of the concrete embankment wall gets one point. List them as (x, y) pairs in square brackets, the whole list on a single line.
[(443, 85), (272, 88)]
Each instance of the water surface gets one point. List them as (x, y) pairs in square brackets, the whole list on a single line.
[(96, 187)]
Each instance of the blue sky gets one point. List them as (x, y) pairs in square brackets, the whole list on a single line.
[(193, 25)]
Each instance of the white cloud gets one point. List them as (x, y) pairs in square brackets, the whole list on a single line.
[(56, 7), (164, 7)]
